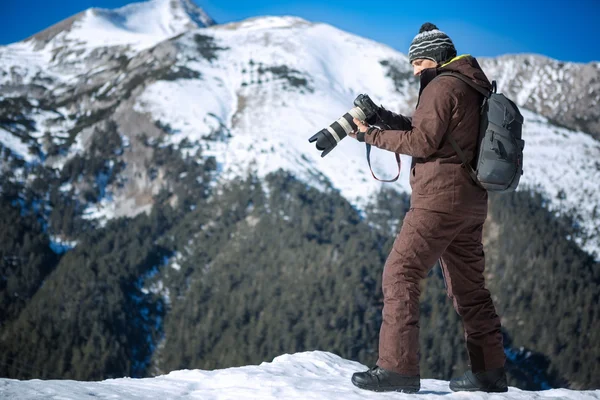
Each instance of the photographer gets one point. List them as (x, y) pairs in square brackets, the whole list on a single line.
[(445, 222)]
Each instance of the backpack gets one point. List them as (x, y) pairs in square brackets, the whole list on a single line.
[(499, 156)]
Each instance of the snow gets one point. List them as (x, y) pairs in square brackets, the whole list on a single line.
[(138, 25), (66, 187), (21, 62), (15, 145), (176, 260), (59, 245), (102, 211), (132, 26), (269, 22), (309, 375)]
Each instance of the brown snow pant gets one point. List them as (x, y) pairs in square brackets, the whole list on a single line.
[(424, 238)]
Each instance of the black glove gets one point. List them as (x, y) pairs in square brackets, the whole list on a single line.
[(370, 109), (360, 136)]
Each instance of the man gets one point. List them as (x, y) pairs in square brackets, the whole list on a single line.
[(445, 222)]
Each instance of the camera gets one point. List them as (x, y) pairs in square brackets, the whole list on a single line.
[(328, 138)]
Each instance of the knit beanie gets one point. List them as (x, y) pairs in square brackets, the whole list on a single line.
[(431, 43)]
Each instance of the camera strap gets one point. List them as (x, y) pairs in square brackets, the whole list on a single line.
[(372, 173)]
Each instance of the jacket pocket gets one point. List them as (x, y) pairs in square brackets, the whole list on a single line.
[(432, 177)]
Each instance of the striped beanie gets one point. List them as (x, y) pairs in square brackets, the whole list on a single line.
[(431, 43)]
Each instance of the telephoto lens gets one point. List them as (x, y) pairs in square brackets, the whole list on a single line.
[(328, 138)]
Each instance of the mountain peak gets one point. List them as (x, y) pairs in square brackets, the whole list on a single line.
[(158, 16), (138, 24), (195, 13)]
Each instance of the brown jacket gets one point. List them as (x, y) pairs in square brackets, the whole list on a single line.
[(447, 106)]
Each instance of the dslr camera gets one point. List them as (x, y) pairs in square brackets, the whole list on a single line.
[(364, 110)]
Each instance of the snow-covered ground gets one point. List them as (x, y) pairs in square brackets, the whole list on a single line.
[(310, 375)]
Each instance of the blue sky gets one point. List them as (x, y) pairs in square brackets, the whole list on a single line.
[(565, 30)]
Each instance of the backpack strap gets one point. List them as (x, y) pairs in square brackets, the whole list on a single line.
[(465, 162), (486, 95)]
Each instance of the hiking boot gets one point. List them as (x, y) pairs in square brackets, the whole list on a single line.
[(485, 381), (381, 380)]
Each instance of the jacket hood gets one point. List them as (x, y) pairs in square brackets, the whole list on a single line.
[(468, 66)]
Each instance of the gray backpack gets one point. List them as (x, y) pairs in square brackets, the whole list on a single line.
[(499, 158)]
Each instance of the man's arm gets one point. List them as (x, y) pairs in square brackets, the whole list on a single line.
[(429, 124), (393, 120)]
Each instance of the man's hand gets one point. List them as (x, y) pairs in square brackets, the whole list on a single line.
[(361, 127)]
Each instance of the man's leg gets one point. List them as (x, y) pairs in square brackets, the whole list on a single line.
[(463, 264), (422, 240)]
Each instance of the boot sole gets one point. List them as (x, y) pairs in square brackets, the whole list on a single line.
[(480, 390), (404, 389)]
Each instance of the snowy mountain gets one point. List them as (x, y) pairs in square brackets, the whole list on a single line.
[(138, 25), (566, 93), (309, 375), (250, 94), (92, 37)]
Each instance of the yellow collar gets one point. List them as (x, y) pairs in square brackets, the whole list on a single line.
[(457, 58)]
